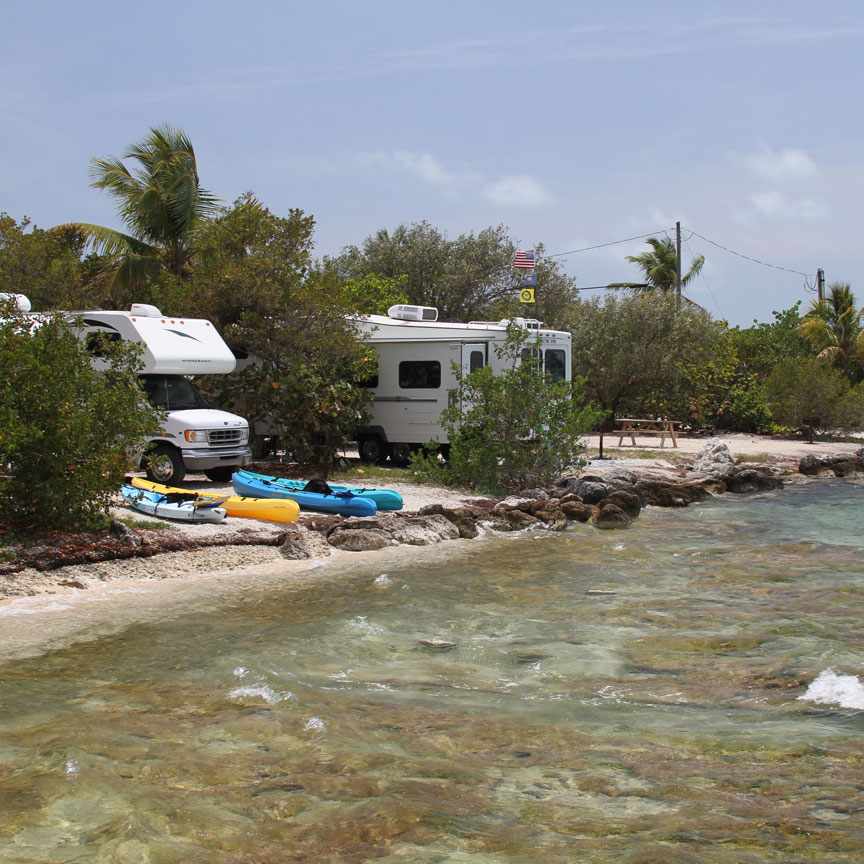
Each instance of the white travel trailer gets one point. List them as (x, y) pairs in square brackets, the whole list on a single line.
[(194, 436), (415, 378)]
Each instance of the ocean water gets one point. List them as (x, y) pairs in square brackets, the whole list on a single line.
[(689, 690)]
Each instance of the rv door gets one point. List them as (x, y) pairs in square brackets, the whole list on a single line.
[(473, 357)]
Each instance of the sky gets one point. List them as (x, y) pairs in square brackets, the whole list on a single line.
[(573, 124)]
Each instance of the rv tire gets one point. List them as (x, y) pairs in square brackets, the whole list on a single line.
[(373, 451), (164, 464)]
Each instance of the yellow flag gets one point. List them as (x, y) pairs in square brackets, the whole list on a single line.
[(526, 295)]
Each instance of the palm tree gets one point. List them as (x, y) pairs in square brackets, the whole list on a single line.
[(160, 201), (660, 266), (833, 328)]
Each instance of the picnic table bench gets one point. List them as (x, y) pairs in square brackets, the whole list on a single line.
[(633, 427)]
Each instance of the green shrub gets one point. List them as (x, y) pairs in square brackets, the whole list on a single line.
[(512, 430), (810, 395), (65, 429)]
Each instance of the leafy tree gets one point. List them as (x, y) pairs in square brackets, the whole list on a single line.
[(466, 278), (810, 395), (660, 265), (65, 429), (763, 345), (833, 329), (253, 278), (634, 352), (511, 430), (162, 204), (44, 265)]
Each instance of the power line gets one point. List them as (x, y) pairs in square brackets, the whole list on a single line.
[(749, 257), (604, 245)]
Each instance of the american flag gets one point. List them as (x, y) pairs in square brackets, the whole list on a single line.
[(523, 260)]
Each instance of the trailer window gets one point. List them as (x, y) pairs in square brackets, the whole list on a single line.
[(476, 361), (97, 341), (419, 374), (172, 393), (556, 364)]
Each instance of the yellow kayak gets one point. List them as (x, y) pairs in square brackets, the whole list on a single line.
[(266, 509)]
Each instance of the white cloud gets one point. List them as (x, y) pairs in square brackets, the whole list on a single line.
[(425, 166), (520, 190), (782, 165), (777, 206)]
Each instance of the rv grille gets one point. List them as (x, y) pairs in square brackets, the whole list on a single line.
[(225, 437)]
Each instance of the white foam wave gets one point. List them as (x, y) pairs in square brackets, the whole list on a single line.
[(829, 688), (315, 724), (261, 691)]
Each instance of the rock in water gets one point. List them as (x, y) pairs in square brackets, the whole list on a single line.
[(714, 460), (810, 465), (627, 501), (576, 510), (611, 516), (436, 644), (591, 491)]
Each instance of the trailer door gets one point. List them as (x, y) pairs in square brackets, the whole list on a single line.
[(473, 357)]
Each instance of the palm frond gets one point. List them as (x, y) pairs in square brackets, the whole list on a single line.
[(108, 241)]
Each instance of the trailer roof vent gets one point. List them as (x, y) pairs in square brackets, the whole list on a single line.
[(22, 304), (403, 312), (145, 310)]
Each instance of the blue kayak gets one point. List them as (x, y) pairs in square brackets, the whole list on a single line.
[(344, 503), (385, 499)]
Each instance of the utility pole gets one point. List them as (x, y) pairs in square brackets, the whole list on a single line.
[(820, 285), (678, 264)]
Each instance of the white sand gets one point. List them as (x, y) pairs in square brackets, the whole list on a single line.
[(742, 446)]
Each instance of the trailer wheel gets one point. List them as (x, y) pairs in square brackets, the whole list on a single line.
[(164, 464), (372, 451)]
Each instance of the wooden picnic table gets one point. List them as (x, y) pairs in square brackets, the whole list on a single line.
[(634, 427)]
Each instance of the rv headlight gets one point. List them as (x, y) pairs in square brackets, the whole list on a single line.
[(196, 435)]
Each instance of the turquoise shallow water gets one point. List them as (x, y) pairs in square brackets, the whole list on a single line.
[(608, 696)]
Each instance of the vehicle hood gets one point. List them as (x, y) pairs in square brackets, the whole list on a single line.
[(208, 418)]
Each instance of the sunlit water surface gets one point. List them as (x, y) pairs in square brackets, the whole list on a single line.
[(609, 697)]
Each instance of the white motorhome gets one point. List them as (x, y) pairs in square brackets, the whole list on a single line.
[(194, 436), (415, 377)]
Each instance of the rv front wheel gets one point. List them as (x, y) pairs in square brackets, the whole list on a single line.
[(372, 451), (165, 465)]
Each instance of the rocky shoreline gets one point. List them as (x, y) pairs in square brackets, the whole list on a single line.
[(599, 495)]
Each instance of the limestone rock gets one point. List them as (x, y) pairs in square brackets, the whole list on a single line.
[(423, 530), (513, 502), (592, 491), (810, 465), (714, 460), (752, 480), (360, 541), (662, 493), (628, 501), (463, 518), (519, 519), (552, 519), (480, 503), (295, 546), (611, 516), (534, 494), (576, 510), (320, 522)]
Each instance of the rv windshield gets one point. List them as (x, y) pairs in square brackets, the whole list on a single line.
[(172, 392)]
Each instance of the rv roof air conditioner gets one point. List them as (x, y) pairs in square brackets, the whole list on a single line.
[(403, 312), (22, 304), (145, 310)]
